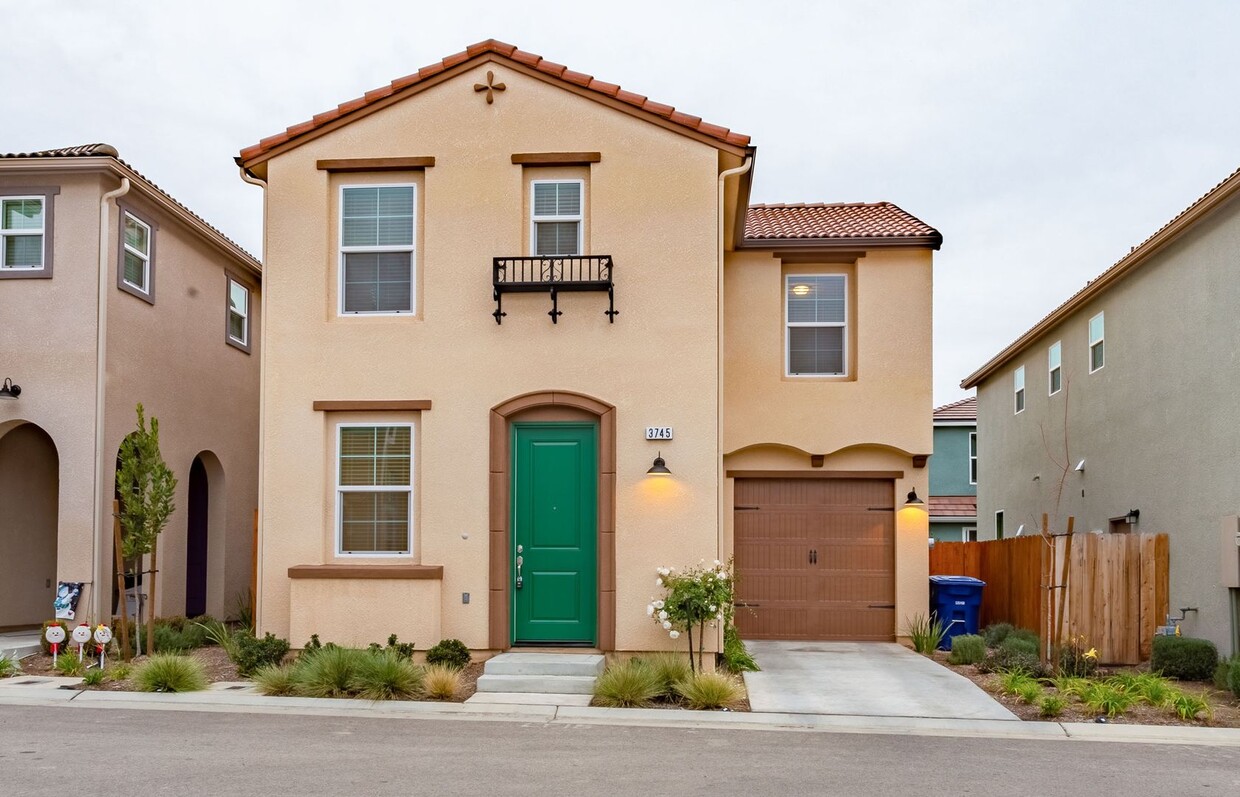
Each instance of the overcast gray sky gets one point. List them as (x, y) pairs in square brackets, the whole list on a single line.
[(1043, 139)]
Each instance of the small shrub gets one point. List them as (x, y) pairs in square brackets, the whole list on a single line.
[(1052, 705), (168, 672), (441, 682), (243, 610), (1153, 689), (1005, 660), (1184, 658), (996, 633), (180, 636), (120, 672), (1026, 635), (9, 666), (331, 672), (449, 652), (1071, 685), (1029, 692), (710, 690), (1076, 659), (386, 676), (669, 668), (1227, 675), (67, 664), (1017, 644), (1107, 698), (275, 680), (313, 645), (253, 653), (1190, 707), (926, 633), (629, 685), (735, 657), (967, 649), (1013, 681), (93, 677), (1233, 677), (402, 649)]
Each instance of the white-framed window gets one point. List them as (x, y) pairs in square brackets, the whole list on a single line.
[(968, 534), (1054, 368), (238, 313), (374, 489), (136, 268), (816, 324), (377, 249), (557, 212), (972, 457), (1018, 384), (1097, 343), (22, 231), (999, 525)]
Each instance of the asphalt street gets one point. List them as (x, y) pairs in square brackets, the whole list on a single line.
[(56, 751)]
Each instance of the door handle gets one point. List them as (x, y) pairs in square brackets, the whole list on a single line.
[(520, 561), (813, 556)]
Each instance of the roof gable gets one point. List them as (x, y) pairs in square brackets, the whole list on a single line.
[(492, 50), (858, 223)]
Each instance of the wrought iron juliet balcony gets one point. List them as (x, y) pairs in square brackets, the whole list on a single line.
[(553, 274)]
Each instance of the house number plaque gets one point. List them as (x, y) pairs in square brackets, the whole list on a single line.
[(658, 433)]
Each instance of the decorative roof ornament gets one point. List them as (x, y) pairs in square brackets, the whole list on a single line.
[(490, 87)]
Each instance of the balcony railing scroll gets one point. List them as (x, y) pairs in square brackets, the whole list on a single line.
[(554, 275)]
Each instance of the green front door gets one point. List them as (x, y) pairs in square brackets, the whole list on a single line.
[(554, 533)]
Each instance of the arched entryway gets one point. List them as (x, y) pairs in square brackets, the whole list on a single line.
[(29, 495), (204, 536)]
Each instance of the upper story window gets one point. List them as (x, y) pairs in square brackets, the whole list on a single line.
[(137, 247), (816, 324), (556, 217), (972, 457), (377, 249), (22, 233), (1018, 384), (374, 492), (1054, 367), (238, 314), (1097, 343)]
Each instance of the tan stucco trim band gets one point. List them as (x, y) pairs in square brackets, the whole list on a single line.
[(815, 474), (398, 405), (556, 158), (375, 164), (432, 572)]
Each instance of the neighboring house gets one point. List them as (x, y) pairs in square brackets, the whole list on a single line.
[(953, 472), (1119, 409), (103, 274), (462, 439)]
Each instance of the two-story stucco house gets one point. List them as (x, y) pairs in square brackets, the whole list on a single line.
[(953, 472), (526, 342), (1119, 409), (113, 293)]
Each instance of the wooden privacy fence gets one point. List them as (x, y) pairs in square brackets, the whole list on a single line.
[(1114, 591)]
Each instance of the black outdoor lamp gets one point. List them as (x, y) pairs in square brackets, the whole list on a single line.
[(659, 468), (913, 500), (9, 390)]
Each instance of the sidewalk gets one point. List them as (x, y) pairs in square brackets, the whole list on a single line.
[(51, 693)]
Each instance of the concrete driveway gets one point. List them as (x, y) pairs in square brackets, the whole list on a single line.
[(876, 679)]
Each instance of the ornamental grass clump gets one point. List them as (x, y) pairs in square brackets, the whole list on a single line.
[(695, 597), (1191, 707), (1108, 698), (276, 680), (1029, 692), (170, 672), (331, 672), (386, 675), (67, 664), (710, 690), (441, 682), (735, 657), (9, 666), (93, 677), (669, 668), (967, 649), (629, 685), (1052, 705), (926, 633)]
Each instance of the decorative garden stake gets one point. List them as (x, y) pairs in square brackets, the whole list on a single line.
[(103, 635), (55, 635), (81, 635)]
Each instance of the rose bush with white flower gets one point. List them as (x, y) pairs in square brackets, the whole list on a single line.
[(695, 597)]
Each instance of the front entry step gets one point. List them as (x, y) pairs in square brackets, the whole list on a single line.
[(541, 673)]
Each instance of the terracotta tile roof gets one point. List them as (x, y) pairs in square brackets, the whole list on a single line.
[(109, 151), (963, 410), (509, 51), (962, 506), (843, 220)]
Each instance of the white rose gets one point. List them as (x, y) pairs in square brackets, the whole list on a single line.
[(717, 563), (662, 615), (714, 608), (658, 604), (719, 616), (649, 609), (658, 582), (674, 634), (723, 576), (667, 625)]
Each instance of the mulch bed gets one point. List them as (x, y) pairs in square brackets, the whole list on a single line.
[(1226, 706)]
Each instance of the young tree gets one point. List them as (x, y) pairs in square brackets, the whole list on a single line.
[(146, 486)]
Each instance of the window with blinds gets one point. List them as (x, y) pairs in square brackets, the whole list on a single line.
[(21, 233), (238, 313), (376, 249), (375, 489), (556, 217), (1097, 343), (136, 268), (817, 324)]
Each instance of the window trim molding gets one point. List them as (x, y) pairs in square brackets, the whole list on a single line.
[(999, 535), (964, 533), (338, 532), (229, 278), (47, 194), (1018, 393), (1057, 346), (1101, 341), (152, 226), (412, 249), (845, 343), (973, 458), (580, 218)]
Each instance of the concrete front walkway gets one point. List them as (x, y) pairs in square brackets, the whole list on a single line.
[(869, 679)]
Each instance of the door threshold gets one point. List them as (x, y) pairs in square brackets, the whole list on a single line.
[(556, 647)]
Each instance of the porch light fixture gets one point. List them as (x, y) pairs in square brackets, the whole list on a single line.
[(9, 390), (913, 500), (800, 290), (659, 468)]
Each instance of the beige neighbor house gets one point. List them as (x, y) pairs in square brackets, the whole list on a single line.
[(1126, 393), (113, 293), (505, 298)]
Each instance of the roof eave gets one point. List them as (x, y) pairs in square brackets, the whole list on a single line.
[(934, 241)]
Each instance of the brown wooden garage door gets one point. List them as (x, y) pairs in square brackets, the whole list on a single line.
[(815, 558)]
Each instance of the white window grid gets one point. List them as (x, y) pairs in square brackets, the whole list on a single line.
[(6, 234), (1018, 383), (579, 218), (145, 257), (972, 457), (341, 489), (1054, 368), (243, 312), (411, 249), (788, 325)]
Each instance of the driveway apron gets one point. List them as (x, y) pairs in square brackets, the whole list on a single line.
[(879, 679)]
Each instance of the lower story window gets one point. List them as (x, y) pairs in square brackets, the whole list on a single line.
[(374, 496)]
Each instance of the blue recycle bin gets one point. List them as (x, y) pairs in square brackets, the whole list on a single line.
[(957, 603)]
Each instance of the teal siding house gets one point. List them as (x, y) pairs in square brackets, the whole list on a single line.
[(953, 473)]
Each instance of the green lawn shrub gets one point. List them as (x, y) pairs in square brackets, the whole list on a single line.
[(1019, 644), (1184, 658), (996, 633), (1052, 705), (967, 649), (170, 672), (1006, 660), (1227, 675), (450, 653), (253, 653)]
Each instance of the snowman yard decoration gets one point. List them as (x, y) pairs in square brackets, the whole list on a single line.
[(103, 635), (55, 636), (81, 635)]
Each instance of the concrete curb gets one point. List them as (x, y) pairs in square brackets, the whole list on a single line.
[(588, 715)]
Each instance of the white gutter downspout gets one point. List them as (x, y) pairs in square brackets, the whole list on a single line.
[(101, 376), (744, 167), (262, 408)]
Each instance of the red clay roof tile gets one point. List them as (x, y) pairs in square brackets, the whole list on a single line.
[(962, 506), (963, 410), (519, 56), (836, 221)]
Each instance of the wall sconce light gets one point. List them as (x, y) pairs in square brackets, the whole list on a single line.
[(913, 500), (659, 468), (9, 390), (1132, 517)]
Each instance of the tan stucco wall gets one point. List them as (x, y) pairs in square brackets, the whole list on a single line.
[(29, 481), (329, 608), (650, 204)]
